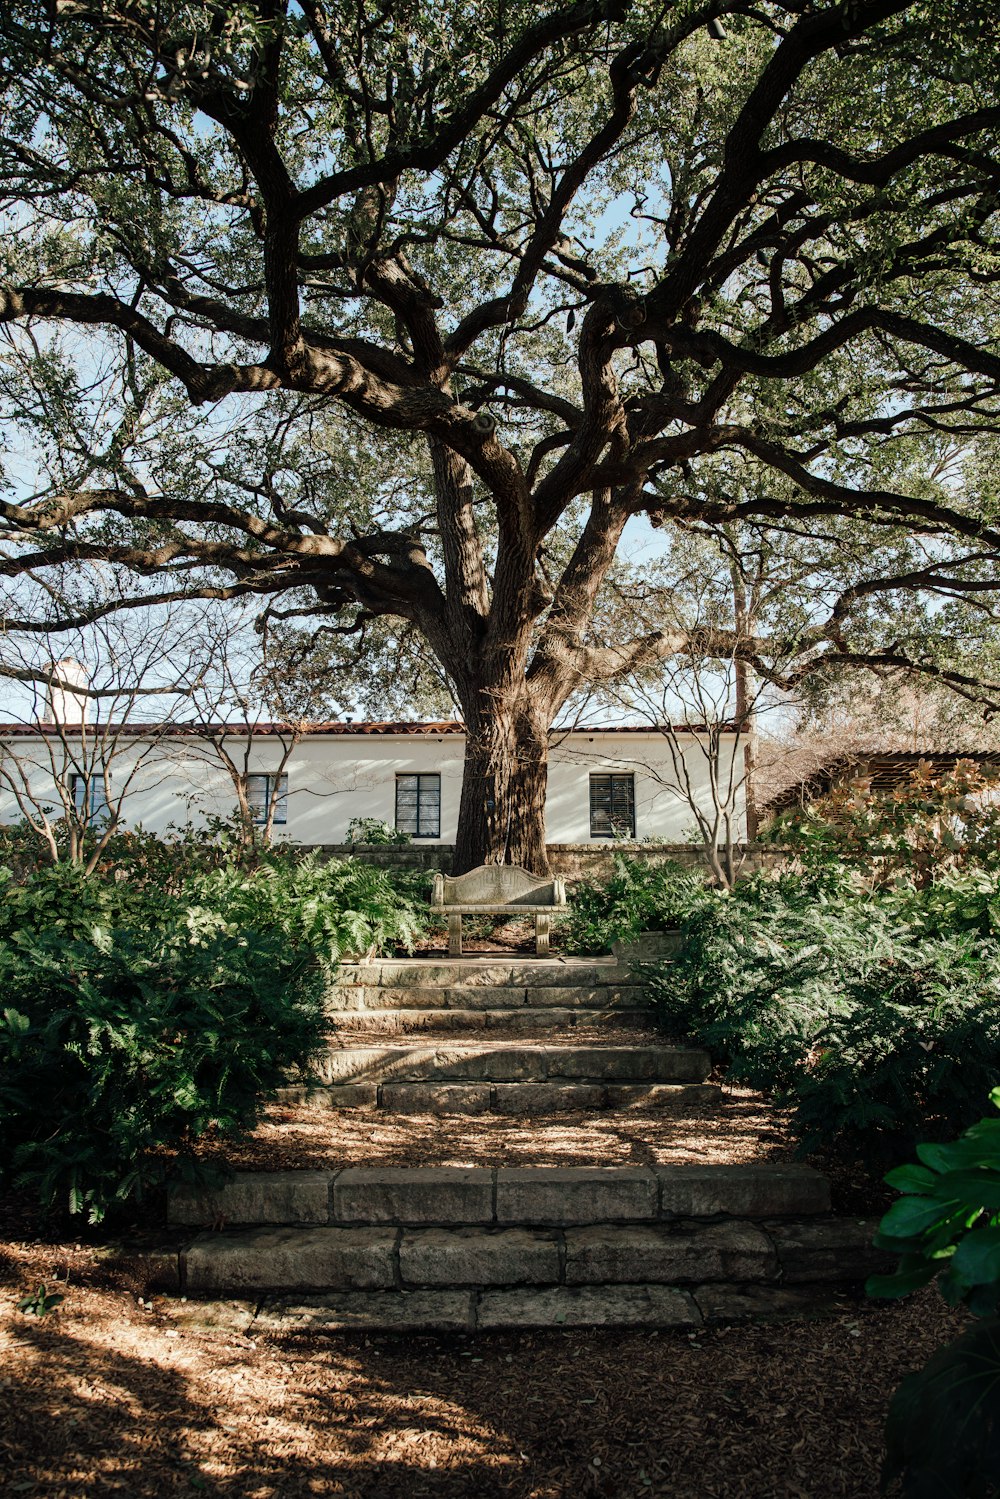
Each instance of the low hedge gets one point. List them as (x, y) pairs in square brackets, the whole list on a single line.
[(133, 1017)]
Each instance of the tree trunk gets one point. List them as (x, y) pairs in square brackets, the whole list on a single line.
[(501, 817)]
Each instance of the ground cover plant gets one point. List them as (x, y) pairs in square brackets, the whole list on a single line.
[(875, 1017), (140, 1011), (637, 897), (943, 1427)]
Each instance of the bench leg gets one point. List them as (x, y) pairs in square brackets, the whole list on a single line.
[(455, 934), (542, 936)]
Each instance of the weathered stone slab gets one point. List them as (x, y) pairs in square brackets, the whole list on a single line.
[(630, 1019), (376, 1311), (568, 972), (419, 974), (546, 1098), (329, 1096), (725, 1251), (525, 1021), (392, 1022), (480, 997), (376, 1064), (254, 1197), (575, 1194), (468, 1256), (599, 996), (587, 1306), (647, 946), (721, 1303), (278, 1259), (437, 1098), (667, 1097), (753, 1191), (836, 1249), (374, 997), (414, 1195), (490, 1060), (628, 1063)]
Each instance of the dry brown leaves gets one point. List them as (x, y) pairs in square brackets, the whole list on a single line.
[(745, 1130), (108, 1396)]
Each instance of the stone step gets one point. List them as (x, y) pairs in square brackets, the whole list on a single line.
[(404, 1022), (485, 1061), (347, 999), (476, 1098), (504, 1196), (477, 972), (681, 1273), (345, 1259), (521, 1307)]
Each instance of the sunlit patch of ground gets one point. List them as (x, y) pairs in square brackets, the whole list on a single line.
[(108, 1397), (745, 1129)]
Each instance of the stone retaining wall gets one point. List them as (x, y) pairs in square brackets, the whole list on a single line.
[(573, 861)]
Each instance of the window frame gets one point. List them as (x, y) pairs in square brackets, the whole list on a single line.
[(614, 829), (275, 790), (92, 789), (435, 791)]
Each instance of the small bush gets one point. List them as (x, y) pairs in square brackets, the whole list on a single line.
[(130, 1040), (331, 908), (374, 830), (943, 1426), (147, 1002), (638, 897), (875, 1018), (927, 829)]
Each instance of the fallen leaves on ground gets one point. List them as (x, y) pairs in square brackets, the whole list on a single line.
[(110, 1396)]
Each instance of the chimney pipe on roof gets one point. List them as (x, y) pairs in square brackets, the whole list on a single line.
[(66, 704)]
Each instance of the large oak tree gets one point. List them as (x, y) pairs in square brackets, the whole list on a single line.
[(561, 266)]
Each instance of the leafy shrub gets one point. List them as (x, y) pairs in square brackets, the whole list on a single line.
[(330, 908), (912, 1055), (638, 897), (943, 1426), (138, 1012), (374, 830), (135, 1039), (930, 827), (875, 1018), (760, 971)]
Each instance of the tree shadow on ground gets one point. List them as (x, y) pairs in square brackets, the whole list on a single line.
[(791, 1411)]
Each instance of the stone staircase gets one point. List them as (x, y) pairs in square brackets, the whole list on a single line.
[(473, 1036), (461, 1248), (467, 1248)]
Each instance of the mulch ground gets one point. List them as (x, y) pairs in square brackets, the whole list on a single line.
[(120, 1393), (112, 1395), (746, 1129)]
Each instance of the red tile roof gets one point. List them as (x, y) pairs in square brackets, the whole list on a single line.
[(443, 726)]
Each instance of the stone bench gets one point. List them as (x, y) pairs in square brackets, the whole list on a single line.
[(497, 890)]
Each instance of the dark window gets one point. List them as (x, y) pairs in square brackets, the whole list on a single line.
[(90, 798), (262, 789), (612, 806), (418, 806)]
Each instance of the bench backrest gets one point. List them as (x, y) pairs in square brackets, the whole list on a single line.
[(497, 885)]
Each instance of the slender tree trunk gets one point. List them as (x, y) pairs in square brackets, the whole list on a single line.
[(746, 722)]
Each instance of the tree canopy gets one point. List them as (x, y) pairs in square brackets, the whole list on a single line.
[(404, 313)]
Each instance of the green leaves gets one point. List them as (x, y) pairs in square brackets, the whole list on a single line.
[(874, 1017), (943, 1427), (40, 1302), (948, 1222)]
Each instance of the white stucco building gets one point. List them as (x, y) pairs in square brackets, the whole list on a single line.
[(623, 781)]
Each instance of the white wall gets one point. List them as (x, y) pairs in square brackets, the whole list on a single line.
[(333, 779)]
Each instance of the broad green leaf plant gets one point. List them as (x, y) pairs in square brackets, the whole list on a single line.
[(943, 1427)]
